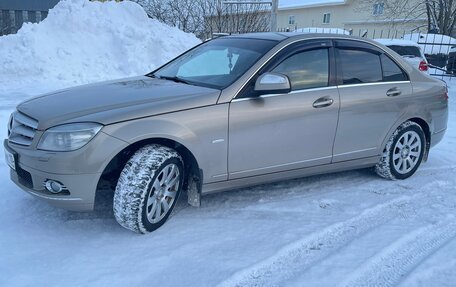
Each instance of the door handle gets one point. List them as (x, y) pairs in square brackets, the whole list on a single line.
[(323, 102), (393, 92)]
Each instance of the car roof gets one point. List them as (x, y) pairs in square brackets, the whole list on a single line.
[(281, 36)]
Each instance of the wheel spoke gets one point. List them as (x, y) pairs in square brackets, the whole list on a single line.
[(171, 174), (396, 156), (166, 206), (170, 193), (409, 138), (152, 211), (403, 165), (158, 211), (156, 185), (398, 164), (410, 163), (164, 175), (151, 200), (415, 145), (414, 154), (173, 181)]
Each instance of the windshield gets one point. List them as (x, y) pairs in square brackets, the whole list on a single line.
[(406, 50), (217, 63)]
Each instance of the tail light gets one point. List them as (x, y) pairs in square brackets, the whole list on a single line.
[(423, 66), (445, 96)]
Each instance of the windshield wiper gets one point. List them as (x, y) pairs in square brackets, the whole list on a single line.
[(174, 79)]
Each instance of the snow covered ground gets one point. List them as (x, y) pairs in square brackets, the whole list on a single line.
[(346, 229), (343, 229)]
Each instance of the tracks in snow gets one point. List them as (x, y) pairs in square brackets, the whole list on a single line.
[(385, 269), (302, 254), (390, 265)]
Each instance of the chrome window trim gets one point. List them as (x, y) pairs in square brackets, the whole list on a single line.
[(373, 84), (309, 39), (290, 93)]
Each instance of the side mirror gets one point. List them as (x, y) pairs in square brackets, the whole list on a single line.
[(272, 83)]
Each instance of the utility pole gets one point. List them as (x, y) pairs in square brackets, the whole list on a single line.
[(275, 8)]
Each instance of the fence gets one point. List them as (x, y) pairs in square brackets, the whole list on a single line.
[(11, 20)]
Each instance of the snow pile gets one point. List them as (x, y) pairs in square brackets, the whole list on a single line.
[(82, 42), (432, 44)]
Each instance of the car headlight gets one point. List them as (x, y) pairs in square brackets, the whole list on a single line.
[(68, 137)]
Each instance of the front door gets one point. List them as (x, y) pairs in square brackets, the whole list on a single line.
[(273, 133)]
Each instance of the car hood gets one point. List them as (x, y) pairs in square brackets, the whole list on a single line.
[(116, 101)]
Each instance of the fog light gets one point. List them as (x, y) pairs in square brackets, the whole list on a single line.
[(54, 186)]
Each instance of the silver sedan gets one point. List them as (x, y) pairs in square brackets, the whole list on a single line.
[(232, 112)]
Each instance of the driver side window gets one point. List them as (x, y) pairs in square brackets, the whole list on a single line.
[(306, 70)]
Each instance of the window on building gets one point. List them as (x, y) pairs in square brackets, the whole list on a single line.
[(326, 18), (378, 8), (291, 20), (306, 70)]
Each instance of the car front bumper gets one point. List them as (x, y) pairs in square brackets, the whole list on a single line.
[(79, 171)]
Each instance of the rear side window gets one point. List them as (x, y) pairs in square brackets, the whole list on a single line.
[(391, 71), (359, 66), (306, 70)]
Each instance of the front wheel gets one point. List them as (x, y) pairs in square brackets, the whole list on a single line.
[(148, 188), (403, 152)]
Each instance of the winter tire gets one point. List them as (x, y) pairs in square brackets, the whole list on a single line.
[(148, 188), (403, 152)]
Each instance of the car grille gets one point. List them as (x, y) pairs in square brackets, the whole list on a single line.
[(21, 129)]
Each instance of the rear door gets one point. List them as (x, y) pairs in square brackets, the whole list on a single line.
[(280, 132), (374, 93)]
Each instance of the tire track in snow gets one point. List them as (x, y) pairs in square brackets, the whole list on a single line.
[(300, 255), (390, 265)]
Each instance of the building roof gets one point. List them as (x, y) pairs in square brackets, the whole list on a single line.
[(29, 5), (296, 4)]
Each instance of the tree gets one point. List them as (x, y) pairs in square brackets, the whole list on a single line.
[(205, 17), (440, 14)]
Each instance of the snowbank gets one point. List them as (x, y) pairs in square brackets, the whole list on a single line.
[(82, 42)]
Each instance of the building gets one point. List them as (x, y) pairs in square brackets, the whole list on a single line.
[(370, 18), (13, 13)]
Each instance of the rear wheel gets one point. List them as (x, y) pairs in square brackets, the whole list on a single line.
[(403, 152), (148, 188)]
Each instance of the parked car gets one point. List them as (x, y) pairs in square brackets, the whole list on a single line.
[(232, 112), (409, 50), (431, 44), (451, 63), (435, 46)]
